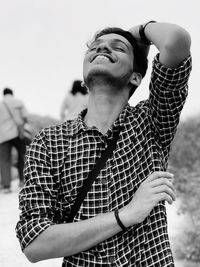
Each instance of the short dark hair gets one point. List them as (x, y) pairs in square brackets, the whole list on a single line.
[(7, 91), (78, 88), (140, 63)]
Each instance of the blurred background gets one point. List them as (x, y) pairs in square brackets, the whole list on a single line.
[(41, 52)]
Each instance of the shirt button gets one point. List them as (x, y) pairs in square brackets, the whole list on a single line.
[(111, 259), (104, 181)]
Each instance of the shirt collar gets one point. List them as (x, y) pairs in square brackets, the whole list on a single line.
[(121, 120), (77, 125)]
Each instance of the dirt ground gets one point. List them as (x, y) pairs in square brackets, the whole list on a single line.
[(10, 252)]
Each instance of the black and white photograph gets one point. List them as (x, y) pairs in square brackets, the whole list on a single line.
[(99, 133)]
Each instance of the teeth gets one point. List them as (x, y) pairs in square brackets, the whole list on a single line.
[(102, 57)]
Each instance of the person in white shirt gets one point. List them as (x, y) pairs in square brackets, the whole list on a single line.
[(75, 101), (12, 114)]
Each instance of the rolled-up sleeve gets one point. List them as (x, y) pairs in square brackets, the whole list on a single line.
[(168, 92), (38, 198)]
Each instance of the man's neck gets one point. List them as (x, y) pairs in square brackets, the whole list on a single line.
[(104, 109)]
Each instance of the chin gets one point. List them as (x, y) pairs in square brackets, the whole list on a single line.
[(98, 72), (96, 77)]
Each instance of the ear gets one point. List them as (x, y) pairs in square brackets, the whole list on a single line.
[(84, 85), (136, 79)]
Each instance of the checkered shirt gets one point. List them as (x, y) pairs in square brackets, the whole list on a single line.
[(60, 158)]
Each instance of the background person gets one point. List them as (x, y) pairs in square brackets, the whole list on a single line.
[(75, 101), (12, 113), (122, 220)]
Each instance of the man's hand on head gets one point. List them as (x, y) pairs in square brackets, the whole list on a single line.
[(135, 32)]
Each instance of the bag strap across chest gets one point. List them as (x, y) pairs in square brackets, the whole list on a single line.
[(106, 154)]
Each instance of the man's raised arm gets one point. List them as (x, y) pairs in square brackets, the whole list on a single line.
[(172, 41)]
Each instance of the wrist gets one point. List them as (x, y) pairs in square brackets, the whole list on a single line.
[(119, 222), (128, 216), (142, 34)]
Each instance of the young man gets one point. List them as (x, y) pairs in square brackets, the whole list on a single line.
[(122, 220)]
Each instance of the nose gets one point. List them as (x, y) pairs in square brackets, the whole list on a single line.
[(103, 47)]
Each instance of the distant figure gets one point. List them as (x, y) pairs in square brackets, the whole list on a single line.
[(75, 101), (12, 114)]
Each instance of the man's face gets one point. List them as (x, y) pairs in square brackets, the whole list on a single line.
[(111, 57)]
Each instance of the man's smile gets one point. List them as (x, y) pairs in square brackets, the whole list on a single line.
[(102, 57)]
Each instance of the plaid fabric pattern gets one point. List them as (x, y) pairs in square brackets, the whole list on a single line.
[(60, 158)]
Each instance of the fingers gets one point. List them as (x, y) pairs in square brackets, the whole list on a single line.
[(164, 197), (163, 181), (161, 184), (160, 174), (166, 190)]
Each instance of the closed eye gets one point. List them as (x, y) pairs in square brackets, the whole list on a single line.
[(93, 48), (118, 48), (90, 49)]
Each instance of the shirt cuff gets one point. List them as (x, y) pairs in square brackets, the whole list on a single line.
[(171, 78), (28, 231)]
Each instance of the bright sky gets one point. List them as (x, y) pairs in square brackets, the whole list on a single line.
[(43, 43)]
